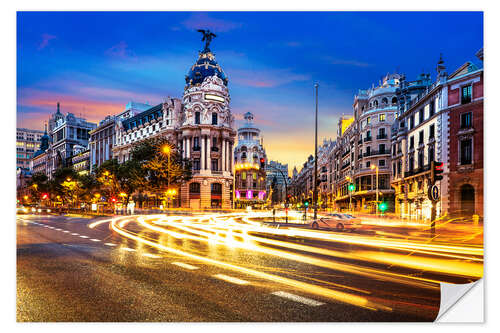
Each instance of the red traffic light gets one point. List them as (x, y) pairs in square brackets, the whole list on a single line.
[(45, 196), (439, 166), (113, 199)]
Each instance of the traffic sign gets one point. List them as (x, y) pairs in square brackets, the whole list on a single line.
[(433, 193)]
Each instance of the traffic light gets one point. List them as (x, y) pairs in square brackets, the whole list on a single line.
[(351, 187), (382, 207), (45, 196), (113, 199), (262, 162), (437, 169), (306, 203)]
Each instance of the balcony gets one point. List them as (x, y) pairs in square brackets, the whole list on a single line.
[(216, 172), (381, 136), (380, 152), (417, 170), (366, 154), (367, 139)]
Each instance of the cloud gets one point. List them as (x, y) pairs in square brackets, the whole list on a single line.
[(203, 21), (265, 78), (120, 50), (45, 41), (347, 62)]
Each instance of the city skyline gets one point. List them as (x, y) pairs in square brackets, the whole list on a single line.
[(63, 58)]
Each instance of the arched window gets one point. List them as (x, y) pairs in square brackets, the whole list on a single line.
[(384, 100), (243, 156), (197, 118), (194, 188), (394, 100), (216, 188), (375, 103), (244, 148)]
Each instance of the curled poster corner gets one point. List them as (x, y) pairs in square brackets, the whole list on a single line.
[(451, 298)]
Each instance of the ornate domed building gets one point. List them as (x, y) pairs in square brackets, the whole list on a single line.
[(206, 134), (249, 158)]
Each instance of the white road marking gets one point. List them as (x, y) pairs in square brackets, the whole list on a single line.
[(300, 299), (150, 255), (231, 279), (75, 234), (66, 231), (95, 240), (183, 265), (127, 249), (58, 229), (84, 236), (110, 244)]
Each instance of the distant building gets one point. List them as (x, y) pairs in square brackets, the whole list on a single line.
[(27, 143), (80, 160), (102, 138), (65, 132), (250, 178), (275, 182), (39, 161)]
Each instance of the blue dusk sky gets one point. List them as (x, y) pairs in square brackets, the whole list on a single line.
[(93, 63)]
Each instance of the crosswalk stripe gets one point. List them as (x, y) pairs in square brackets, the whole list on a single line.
[(183, 265), (84, 236), (230, 279), (110, 244), (296, 298), (95, 240)]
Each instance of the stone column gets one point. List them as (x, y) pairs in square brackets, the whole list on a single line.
[(202, 167), (183, 147), (209, 164), (223, 154), (188, 147)]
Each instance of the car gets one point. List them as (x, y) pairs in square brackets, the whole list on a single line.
[(337, 221)]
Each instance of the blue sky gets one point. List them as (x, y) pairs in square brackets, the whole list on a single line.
[(94, 63)]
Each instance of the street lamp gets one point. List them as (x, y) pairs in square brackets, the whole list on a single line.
[(166, 149), (376, 172), (315, 193)]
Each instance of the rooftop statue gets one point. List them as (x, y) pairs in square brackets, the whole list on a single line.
[(207, 38)]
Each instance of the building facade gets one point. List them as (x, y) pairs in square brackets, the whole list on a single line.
[(65, 132), (249, 175), (103, 139), (27, 143), (276, 175)]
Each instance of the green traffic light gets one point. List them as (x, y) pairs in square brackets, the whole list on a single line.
[(382, 206), (351, 187), (306, 203)]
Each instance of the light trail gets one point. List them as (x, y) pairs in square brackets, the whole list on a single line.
[(339, 296)]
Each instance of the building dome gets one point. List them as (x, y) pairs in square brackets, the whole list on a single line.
[(205, 66)]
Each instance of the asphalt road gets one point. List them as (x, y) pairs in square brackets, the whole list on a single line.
[(68, 272)]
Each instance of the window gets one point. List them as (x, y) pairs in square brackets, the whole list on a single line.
[(466, 151), (402, 124), (431, 108), (466, 94), (421, 116), (196, 117), (394, 150), (431, 132), (399, 167), (368, 164), (368, 150), (381, 117), (215, 164), (254, 176), (420, 158), (368, 135), (381, 133), (394, 169), (412, 121), (381, 162), (214, 142), (421, 137), (196, 164), (368, 121), (431, 154), (244, 175), (381, 148), (466, 120), (196, 142), (411, 162), (412, 142), (214, 118), (194, 188)]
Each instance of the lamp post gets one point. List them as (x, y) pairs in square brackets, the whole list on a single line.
[(376, 194), (167, 150), (315, 192)]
